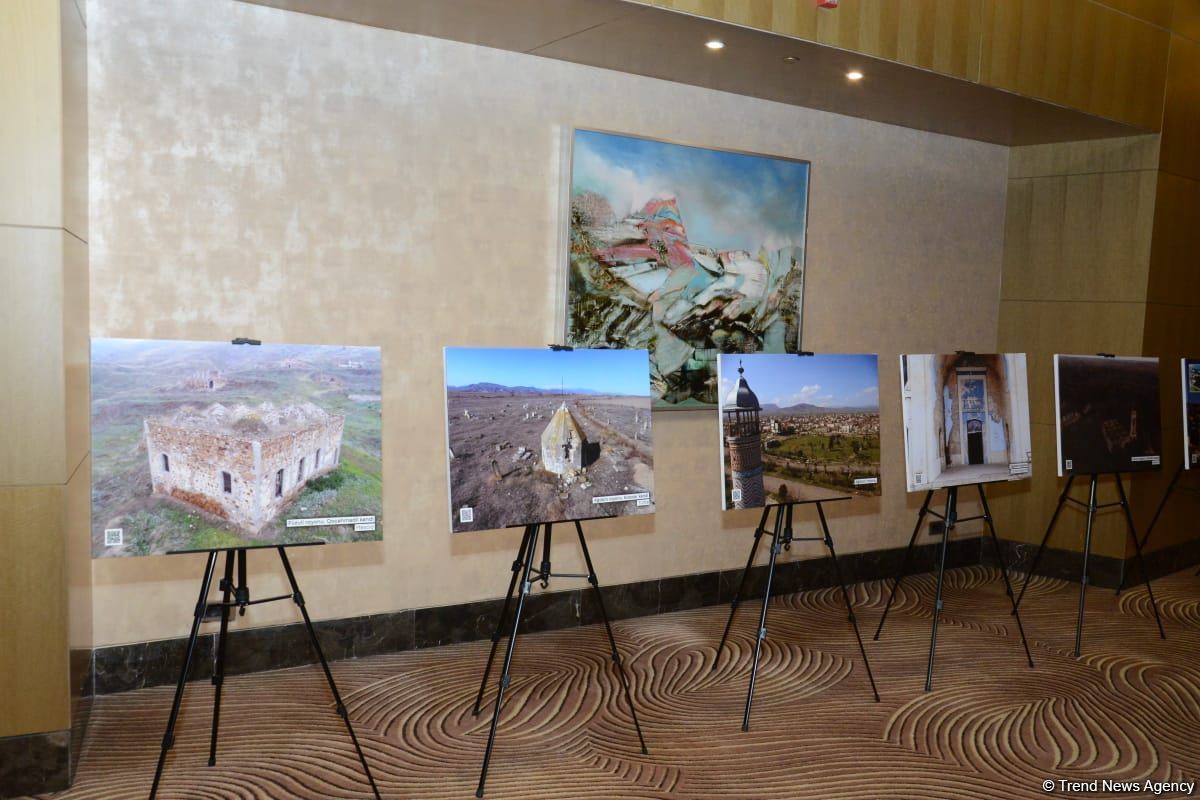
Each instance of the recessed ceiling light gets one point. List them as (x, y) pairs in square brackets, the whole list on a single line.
[(854, 75), (790, 59), (715, 44)]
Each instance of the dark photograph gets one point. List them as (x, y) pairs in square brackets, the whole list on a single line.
[(1109, 419)]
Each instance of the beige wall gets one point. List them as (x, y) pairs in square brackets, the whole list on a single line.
[(261, 173)]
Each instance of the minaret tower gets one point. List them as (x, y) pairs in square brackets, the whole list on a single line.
[(744, 439)]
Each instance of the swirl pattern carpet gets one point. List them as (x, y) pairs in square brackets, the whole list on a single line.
[(992, 728)]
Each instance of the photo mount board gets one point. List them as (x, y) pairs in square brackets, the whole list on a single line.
[(966, 419), (209, 445), (636, 276), (535, 435), (1108, 418), (798, 428), (1191, 412)]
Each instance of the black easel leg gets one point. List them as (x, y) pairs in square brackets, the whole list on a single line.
[(904, 565), (947, 526), (1157, 513), (201, 606), (508, 656), (987, 517), (512, 586), (1087, 549), (837, 571), (298, 597), (776, 545), (1062, 501), (218, 678), (737, 596), (1137, 549), (612, 641)]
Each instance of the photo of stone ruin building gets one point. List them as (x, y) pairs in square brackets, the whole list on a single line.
[(209, 445), (1109, 418), (242, 464), (546, 436), (966, 419)]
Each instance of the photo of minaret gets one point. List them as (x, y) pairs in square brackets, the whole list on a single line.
[(744, 440), (797, 428)]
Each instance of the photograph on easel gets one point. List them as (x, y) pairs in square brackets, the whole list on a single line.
[(1108, 414), (798, 428), (541, 435), (966, 419), (208, 445), (688, 252), (1191, 413)]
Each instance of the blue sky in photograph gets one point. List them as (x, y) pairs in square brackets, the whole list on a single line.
[(728, 201), (625, 372), (786, 379)]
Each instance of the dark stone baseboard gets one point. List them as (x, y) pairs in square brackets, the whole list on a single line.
[(137, 666), (35, 763), (1104, 571), (83, 675)]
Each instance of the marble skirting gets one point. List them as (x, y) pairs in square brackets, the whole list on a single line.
[(35, 763), (135, 666)]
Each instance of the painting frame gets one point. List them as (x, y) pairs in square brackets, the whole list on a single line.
[(797, 273)]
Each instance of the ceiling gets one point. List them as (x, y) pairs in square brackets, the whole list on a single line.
[(643, 40)]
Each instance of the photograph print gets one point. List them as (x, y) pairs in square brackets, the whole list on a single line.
[(798, 428), (1191, 413), (539, 435), (208, 445), (1109, 420), (686, 252), (966, 419)]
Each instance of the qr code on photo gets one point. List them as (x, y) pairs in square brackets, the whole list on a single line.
[(466, 514), (736, 495), (114, 537), (1068, 464)]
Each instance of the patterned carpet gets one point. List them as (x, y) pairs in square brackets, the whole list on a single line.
[(992, 728)]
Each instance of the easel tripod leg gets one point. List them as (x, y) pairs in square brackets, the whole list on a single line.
[(737, 596), (1062, 501), (904, 565), (1087, 549), (612, 641), (1157, 513), (531, 548), (201, 607), (1137, 549), (837, 571), (512, 586), (298, 597), (947, 526), (987, 516), (218, 678), (776, 545)]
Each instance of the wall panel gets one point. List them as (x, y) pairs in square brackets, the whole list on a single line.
[(33, 616), (1079, 54)]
